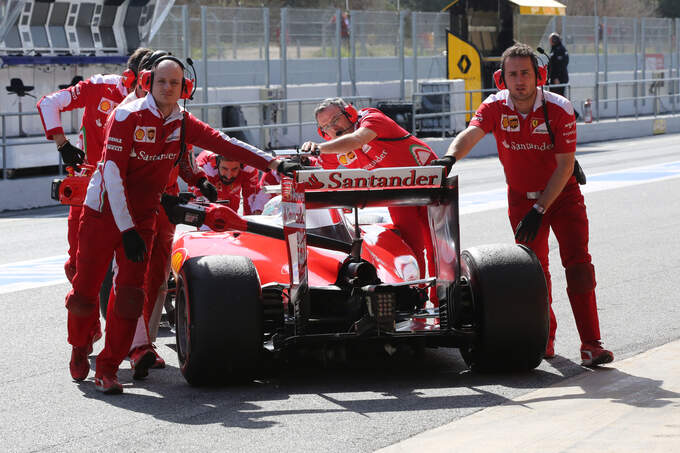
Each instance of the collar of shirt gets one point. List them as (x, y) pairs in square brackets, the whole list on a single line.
[(538, 102), (176, 110), (122, 89)]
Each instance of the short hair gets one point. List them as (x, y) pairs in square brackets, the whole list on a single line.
[(520, 50), (556, 36), (151, 58), (135, 59), (338, 102)]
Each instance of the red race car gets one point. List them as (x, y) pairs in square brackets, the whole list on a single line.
[(310, 279)]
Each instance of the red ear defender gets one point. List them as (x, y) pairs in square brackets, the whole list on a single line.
[(351, 113), (542, 76), (324, 135), (129, 78), (145, 80), (498, 79)]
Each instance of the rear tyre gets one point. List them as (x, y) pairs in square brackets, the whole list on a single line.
[(218, 319), (510, 299)]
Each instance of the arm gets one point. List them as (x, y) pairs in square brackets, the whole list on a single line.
[(559, 178), (348, 143), (200, 134), (51, 106), (464, 142), (188, 170)]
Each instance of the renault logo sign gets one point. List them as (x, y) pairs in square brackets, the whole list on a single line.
[(464, 64)]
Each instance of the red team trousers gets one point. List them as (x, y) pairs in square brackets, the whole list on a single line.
[(569, 222), (99, 238)]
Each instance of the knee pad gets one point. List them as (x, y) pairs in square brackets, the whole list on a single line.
[(580, 278), (80, 305), (129, 302)]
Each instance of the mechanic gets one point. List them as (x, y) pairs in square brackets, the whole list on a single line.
[(370, 139), (143, 347), (98, 96), (535, 132), (231, 178), (142, 144)]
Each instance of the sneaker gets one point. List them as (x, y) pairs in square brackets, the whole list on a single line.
[(108, 384), (159, 363), (80, 363), (550, 349), (141, 359), (593, 354)]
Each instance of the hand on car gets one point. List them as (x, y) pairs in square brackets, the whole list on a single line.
[(207, 189), (311, 147), (445, 161), (528, 227), (134, 246), (288, 167)]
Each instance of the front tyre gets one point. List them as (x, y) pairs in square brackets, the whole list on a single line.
[(218, 319), (511, 316)]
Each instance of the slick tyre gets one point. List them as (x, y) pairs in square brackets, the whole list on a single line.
[(218, 320), (510, 300)]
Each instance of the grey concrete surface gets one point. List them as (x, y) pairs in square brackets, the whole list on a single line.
[(629, 407)]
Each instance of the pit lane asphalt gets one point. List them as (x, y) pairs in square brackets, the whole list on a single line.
[(372, 402)]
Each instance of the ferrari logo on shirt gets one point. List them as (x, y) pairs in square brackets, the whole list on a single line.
[(510, 123), (347, 158), (145, 134), (106, 105), (538, 126)]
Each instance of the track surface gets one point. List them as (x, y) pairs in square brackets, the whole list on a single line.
[(372, 402)]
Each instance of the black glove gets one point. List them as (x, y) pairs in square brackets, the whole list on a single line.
[(287, 167), (446, 161), (578, 173), (135, 248), (208, 190), (70, 154), (528, 227)]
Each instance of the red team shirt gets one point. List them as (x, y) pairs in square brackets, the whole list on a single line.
[(524, 145), (246, 182), (409, 152), (141, 148), (98, 95)]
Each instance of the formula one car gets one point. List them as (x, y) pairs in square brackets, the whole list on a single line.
[(254, 286)]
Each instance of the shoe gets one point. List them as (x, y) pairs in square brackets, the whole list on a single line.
[(593, 354), (80, 363), (550, 349), (108, 384), (159, 363), (141, 359)]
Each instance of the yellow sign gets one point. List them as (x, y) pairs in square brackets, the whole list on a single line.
[(659, 126), (465, 62)]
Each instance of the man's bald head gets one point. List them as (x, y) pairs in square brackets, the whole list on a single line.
[(168, 76)]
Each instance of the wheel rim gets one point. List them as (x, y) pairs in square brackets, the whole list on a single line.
[(182, 326)]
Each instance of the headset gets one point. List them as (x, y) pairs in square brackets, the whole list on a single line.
[(350, 113), (540, 71), (146, 76), (129, 78)]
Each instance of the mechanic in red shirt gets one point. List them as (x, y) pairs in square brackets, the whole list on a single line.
[(159, 261), (231, 178), (542, 192), (369, 139), (142, 144), (98, 96)]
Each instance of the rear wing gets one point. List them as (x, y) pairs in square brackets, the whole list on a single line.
[(359, 188)]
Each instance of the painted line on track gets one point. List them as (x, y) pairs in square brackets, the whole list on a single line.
[(50, 271)]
